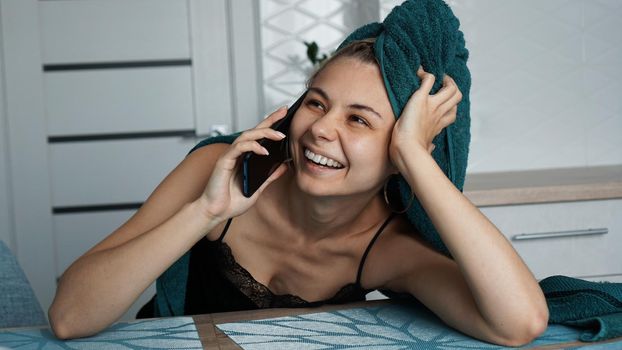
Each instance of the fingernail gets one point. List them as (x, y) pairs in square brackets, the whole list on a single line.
[(282, 135), (283, 107), (265, 151)]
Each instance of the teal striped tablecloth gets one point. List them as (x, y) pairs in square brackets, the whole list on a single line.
[(401, 326), (165, 333)]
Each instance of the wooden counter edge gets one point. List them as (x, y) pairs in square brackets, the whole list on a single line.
[(545, 194)]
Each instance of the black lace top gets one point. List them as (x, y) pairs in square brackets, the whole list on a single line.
[(217, 283)]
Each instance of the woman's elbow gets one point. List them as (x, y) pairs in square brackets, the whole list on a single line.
[(530, 329), (63, 324), (58, 324)]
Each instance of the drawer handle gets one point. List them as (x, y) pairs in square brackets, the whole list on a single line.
[(590, 231)]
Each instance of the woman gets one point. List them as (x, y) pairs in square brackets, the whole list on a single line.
[(303, 234)]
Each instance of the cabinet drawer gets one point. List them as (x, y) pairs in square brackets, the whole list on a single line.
[(118, 100), (112, 172), (77, 233), (113, 30), (575, 255)]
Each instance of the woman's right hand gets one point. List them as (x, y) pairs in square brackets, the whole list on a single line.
[(223, 197)]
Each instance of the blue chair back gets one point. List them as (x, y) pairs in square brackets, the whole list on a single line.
[(18, 305)]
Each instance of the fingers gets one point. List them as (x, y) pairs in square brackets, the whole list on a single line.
[(260, 133), (447, 97), (263, 129), (449, 91), (229, 159), (448, 117), (427, 81), (273, 118), (248, 140), (450, 104)]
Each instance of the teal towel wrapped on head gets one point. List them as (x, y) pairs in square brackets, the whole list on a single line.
[(426, 33)]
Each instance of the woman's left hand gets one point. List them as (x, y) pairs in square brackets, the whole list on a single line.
[(424, 117)]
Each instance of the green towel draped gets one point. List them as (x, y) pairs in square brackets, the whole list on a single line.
[(593, 306), (425, 32)]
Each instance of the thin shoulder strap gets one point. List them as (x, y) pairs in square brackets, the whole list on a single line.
[(222, 235), (371, 243)]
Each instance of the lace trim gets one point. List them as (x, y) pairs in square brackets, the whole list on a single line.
[(263, 297)]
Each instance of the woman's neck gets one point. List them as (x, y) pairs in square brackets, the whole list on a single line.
[(321, 217)]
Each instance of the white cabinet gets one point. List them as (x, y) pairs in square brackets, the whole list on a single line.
[(121, 100), (565, 238), (562, 221), (107, 172)]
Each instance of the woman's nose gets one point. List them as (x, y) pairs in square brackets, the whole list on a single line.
[(325, 127)]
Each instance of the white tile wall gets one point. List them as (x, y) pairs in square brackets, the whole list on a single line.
[(285, 25), (546, 78), (545, 91)]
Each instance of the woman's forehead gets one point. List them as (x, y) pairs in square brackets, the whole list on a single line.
[(352, 81)]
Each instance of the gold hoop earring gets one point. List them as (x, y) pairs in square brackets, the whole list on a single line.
[(386, 199)]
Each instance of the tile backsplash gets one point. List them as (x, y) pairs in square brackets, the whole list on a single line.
[(546, 83)]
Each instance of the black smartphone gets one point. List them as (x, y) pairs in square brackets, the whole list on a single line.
[(257, 168)]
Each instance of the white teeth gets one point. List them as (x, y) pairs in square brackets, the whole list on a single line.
[(319, 159)]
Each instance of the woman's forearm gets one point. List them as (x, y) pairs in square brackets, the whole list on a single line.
[(505, 290), (99, 287)]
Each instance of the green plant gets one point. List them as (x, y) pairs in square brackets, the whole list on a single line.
[(312, 53)]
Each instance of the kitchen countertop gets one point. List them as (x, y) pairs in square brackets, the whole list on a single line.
[(544, 186)]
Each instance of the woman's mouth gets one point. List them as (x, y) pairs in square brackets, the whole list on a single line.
[(321, 161)]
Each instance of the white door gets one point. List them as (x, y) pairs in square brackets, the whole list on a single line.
[(103, 99)]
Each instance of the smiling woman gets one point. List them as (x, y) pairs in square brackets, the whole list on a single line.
[(319, 230)]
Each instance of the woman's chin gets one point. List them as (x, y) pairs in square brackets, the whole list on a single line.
[(315, 187)]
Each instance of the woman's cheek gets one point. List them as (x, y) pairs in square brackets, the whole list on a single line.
[(300, 123)]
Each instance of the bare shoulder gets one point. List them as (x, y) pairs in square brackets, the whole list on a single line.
[(401, 251), (182, 185)]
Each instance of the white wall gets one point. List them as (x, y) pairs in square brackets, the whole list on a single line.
[(546, 83)]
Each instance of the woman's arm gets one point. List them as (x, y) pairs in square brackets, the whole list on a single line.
[(200, 193), (506, 293), (103, 283)]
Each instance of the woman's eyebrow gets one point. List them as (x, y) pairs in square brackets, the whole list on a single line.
[(324, 95)]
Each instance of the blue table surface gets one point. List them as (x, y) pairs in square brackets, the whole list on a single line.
[(380, 326)]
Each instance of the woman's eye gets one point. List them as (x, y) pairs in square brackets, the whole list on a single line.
[(316, 104), (359, 120)]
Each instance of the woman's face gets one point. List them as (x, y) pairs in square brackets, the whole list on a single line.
[(346, 118)]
